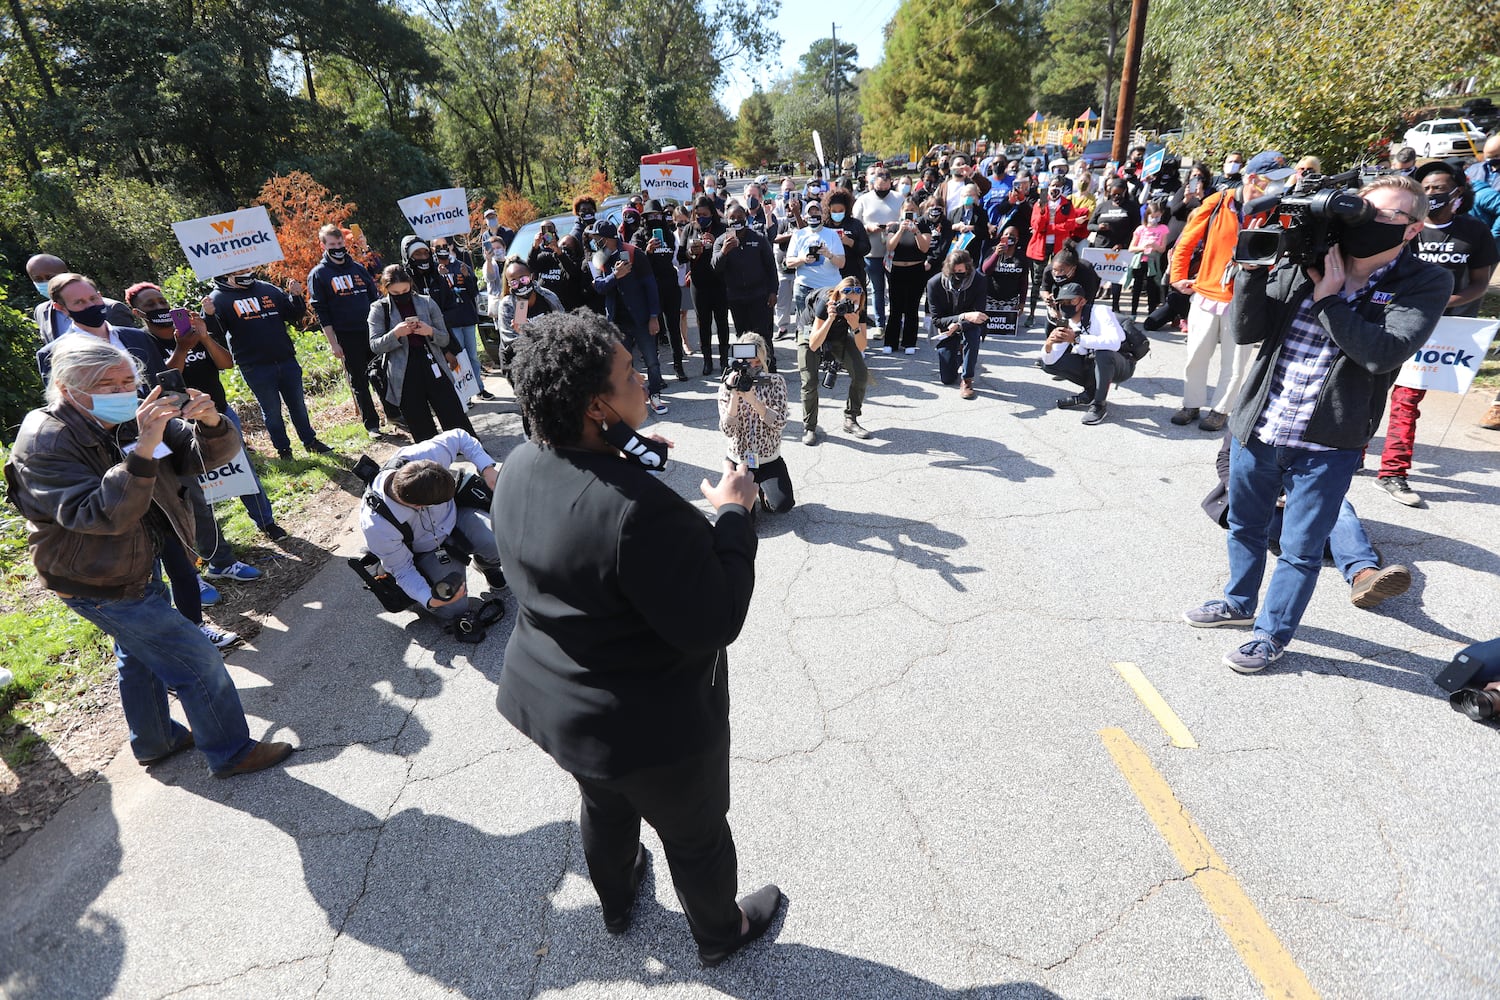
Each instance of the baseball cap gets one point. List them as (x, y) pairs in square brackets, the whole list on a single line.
[(1270, 164), (1072, 290), (605, 230)]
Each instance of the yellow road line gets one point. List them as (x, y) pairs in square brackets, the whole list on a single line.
[(1177, 732), (1258, 946)]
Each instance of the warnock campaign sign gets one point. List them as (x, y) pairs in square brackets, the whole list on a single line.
[(437, 213), (220, 244), (1449, 361), (232, 479), (1004, 322), (1151, 166), (667, 180), (1110, 265)]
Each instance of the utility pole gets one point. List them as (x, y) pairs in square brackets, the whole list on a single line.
[(1128, 79), (838, 127)]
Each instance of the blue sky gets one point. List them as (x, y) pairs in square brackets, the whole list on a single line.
[(800, 24)]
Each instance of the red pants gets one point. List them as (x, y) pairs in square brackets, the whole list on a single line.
[(1401, 431)]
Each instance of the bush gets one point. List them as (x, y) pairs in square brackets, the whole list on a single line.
[(20, 385)]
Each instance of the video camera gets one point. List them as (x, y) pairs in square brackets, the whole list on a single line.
[(739, 376), (1310, 220)]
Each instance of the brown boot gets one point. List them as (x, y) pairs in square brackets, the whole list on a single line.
[(966, 391), (260, 757), (1370, 586), (1491, 419)]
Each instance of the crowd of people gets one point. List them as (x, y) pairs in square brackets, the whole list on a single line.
[(630, 597)]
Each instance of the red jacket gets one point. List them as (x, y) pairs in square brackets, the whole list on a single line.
[(1070, 225)]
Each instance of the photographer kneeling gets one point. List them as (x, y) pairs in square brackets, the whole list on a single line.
[(752, 412), (410, 517), (1085, 350), (836, 337)]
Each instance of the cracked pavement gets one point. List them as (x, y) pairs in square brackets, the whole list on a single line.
[(916, 703)]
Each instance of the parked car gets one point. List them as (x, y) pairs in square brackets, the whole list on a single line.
[(1444, 136), (1096, 153)]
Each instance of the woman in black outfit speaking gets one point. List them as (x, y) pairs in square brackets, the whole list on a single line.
[(617, 667)]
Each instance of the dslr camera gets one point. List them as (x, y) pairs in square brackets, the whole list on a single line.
[(739, 376), (845, 307), (1308, 221), (828, 370)]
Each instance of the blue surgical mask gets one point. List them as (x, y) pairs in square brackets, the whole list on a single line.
[(41, 288), (114, 407), (836, 216)]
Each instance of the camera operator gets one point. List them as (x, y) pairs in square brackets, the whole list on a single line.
[(837, 335), (1332, 339), (955, 309), (617, 667), (409, 517), (743, 257), (1462, 245), (1085, 348), (816, 254), (752, 413), (98, 473)]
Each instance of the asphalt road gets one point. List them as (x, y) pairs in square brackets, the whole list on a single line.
[(935, 754)]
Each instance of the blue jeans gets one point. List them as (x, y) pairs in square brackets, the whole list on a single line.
[(638, 337), (1315, 484), (273, 384), (962, 346), (875, 271), (257, 504), (158, 649), (468, 339), (1348, 545)]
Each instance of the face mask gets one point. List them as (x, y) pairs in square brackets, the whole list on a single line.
[(522, 287), (1230, 169), (754, 204), (1071, 309), (89, 315), (737, 224), (114, 407), (960, 276), (1061, 279), (1054, 196), (244, 280), (162, 318), (1372, 238), (338, 255), (704, 221), (643, 451), (814, 222), (586, 217), (401, 298), (422, 265), (968, 202), (710, 190), (836, 216), (936, 215), (904, 189), (442, 254), (1436, 202), (41, 288)]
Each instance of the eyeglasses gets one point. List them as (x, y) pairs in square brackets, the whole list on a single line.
[(1391, 215)]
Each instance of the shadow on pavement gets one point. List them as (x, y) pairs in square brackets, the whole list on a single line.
[(911, 542), (473, 910), (51, 945)]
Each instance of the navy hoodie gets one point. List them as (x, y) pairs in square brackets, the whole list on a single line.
[(254, 319), (463, 310), (341, 294)]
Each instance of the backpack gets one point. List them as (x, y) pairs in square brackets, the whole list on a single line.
[(1136, 344)]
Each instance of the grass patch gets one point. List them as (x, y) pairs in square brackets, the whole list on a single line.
[(55, 655)]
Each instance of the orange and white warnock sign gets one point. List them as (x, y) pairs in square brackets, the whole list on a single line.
[(437, 213), (223, 244), (667, 180)]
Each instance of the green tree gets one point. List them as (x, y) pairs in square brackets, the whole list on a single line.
[(1081, 56), (755, 143), (949, 71), (820, 65), (1274, 75)]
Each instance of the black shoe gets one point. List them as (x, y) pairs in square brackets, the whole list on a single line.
[(486, 394), (318, 448), (1096, 413), (285, 454), (619, 923), (760, 909), (681, 375), (708, 366), (274, 532), (495, 578), (1073, 402)]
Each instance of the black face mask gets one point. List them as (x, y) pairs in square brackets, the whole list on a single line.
[(1072, 310), (935, 215), (244, 280), (1372, 239), (338, 255), (586, 217), (162, 318), (442, 254), (402, 298), (643, 451), (422, 265), (522, 287), (1437, 202), (90, 315)]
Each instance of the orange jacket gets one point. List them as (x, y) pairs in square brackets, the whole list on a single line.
[(1217, 231)]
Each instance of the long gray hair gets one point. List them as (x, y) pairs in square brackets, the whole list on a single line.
[(79, 361)]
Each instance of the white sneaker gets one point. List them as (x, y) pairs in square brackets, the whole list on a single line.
[(888, 350), (222, 638), (911, 350), (657, 406)]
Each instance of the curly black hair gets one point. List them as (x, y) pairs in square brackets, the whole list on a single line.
[(563, 360)]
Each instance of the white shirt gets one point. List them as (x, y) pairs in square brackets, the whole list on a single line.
[(822, 274), (1104, 334), (873, 210)]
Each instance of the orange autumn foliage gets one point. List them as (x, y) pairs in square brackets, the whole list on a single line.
[(299, 206), (597, 187), (514, 209)]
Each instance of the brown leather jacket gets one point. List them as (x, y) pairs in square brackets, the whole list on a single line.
[(86, 503)]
